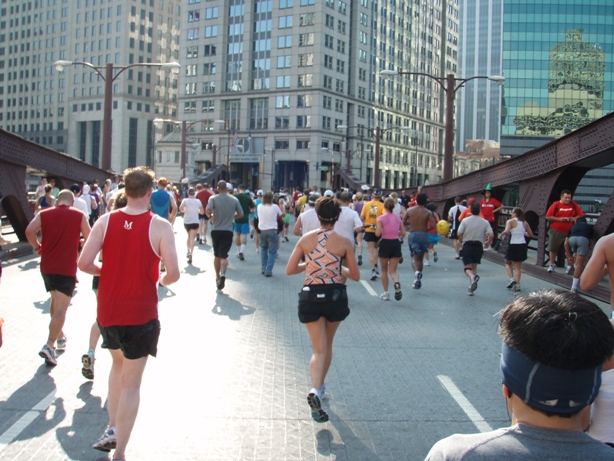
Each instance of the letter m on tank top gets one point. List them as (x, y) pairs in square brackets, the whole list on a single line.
[(128, 225)]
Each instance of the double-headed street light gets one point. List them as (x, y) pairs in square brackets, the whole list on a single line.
[(450, 85), (378, 134), (109, 77)]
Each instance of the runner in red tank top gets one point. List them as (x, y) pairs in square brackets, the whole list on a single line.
[(61, 228), (128, 297)]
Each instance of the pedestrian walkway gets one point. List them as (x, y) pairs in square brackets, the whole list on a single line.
[(231, 377)]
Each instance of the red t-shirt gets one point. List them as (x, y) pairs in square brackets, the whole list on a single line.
[(559, 210), (204, 196), (61, 233), (128, 289), (489, 207)]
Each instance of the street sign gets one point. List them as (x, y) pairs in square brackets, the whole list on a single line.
[(323, 168)]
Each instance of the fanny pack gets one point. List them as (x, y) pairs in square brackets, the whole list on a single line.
[(323, 293)]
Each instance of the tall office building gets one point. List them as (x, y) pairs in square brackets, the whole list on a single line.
[(64, 111), (267, 83), (481, 37), (557, 60)]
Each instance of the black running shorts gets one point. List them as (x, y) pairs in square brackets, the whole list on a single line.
[(135, 341), (65, 284), (221, 242), (389, 248), (472, 252), (329, 301)]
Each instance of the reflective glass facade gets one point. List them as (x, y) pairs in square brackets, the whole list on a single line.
[(557, 59)]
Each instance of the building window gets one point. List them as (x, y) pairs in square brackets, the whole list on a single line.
[(306, 39), (328, 61), (305, 60), (341, 46), (340, 66), (284, 22), (282, 122), (283, 81), (286, 4), (302, 144), (284, 41), (328, 82), (282, 102), (284, 62), (326, 123), (306, 19), (303, 121), (305, 80), (283, 145), (303, 100), (327, 102), (211, 13), (259, 114)]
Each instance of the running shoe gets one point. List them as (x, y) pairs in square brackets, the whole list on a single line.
[(397, 291), (241, 257), (107, 440), (469, 292), (571, 269), (418, 281), (427, 263), (373, 275), (360, 260), (251, 235), (474, 282), (189, 258), (49, 355), (516, 287), (435, 257), (318, 413), (573, 290), (457, 256), (322, 390), (204, 241), (384, 296), (376, 270), (511, 283), (221, 283), (60, 344), (88, 365), (287, 239), (401, 260), (551, 268)]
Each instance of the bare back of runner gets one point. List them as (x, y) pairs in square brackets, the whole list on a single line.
[(418, 218)]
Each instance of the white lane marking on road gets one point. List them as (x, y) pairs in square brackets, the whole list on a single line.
[(466, 406), (368, 287), (12, 432)]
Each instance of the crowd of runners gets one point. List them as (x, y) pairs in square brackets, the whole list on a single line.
[(95, 228)]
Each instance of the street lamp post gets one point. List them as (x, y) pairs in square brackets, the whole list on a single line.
[(450, 87), (109, 78)]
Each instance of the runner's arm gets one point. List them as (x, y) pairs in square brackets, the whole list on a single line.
[(93, 245), (596, 268), (31, 231)]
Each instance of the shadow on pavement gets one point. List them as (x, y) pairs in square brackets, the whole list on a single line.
[(87, 423), (26, 398), (351, 446), (193, 270), (225, 305), (43, 305), (165, 292)]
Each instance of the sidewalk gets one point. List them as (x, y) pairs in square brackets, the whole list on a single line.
[(231, 377)]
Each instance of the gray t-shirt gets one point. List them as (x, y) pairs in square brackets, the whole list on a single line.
[(521, 442), (224, 207), (474, 228)]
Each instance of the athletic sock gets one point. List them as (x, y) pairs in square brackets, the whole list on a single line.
[(242, 248), (575, 283)]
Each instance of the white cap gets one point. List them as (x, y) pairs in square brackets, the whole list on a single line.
[(260, 192), (86, 189), (329, 193)]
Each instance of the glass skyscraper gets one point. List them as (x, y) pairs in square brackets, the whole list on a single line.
[(481, 30), (557, 61)]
